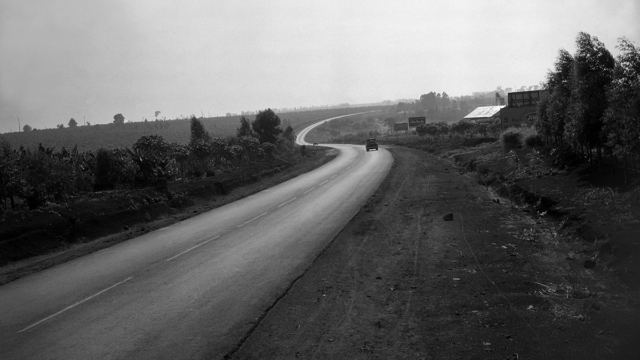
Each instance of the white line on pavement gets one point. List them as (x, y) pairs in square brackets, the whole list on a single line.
[(286, 202), (248, 221), (323, 182), (76, 304), (310, 190), (193, 247)]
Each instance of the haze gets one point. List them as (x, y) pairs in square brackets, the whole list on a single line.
[(93, 59)]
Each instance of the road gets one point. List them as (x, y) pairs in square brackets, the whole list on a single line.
[(193, 289)]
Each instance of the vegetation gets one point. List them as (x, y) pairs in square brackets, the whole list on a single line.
[(593, 101), (267, 126), (111, 136), (33, 177)]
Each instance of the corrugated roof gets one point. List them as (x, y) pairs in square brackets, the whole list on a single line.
[(484, 112)]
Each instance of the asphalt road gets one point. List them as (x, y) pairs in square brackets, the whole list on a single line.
[(192, 289)]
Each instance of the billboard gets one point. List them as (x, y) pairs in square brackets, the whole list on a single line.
[(415, 121), (400, 127)]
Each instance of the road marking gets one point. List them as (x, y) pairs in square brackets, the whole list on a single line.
[(286, 202), (248, 221), (323, 182), (310, 190), (334, 176), (74, 305), (193, 247)]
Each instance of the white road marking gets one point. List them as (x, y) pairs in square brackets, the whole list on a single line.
[(310, 190), (193, 247), (286, 202), (334, 176), (248, 221), (323, 182), (76, 304)]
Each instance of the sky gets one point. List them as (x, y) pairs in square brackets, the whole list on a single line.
[(90, 60)]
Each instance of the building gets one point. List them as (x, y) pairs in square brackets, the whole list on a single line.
[(484, 113), (521, 108)]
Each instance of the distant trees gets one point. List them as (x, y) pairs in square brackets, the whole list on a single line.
[(245, 128), (198, 133), (72, 123), (157, 113), (60, 126), (118, 119), (267, 126), (288, 134), (26, 128)]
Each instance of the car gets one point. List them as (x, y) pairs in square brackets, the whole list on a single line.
[(372, 144)]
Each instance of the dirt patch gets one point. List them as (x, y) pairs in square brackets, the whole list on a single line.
[(35, 240), (498, 281)]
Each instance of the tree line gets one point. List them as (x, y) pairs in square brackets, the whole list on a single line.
[(33, 177), (592, 106)]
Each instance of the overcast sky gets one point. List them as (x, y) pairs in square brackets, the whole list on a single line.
[(78, 58)]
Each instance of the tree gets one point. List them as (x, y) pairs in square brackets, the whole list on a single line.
[(267, 126), (26, 128), (421, 129), (428, 101), (157, 113), (72, 123), (592, 73), (622, 118), (118, 119), (198, 133), (288, 134), (554, 106), (60, 126), (245, 128)]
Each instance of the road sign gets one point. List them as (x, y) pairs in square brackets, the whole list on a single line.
[(400, 127), (415, 121)]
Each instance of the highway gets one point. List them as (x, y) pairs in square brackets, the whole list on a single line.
[(192, 289)]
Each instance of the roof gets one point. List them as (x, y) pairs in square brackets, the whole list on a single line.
[(484, 112)]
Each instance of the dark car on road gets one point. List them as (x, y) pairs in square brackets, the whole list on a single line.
[(372, 144)]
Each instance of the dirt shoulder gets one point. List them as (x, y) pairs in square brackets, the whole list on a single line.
[(32, 241), (495, 282)]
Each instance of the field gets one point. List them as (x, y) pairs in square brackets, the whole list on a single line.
[(110, 136)]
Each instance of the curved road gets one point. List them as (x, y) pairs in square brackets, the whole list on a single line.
[(192, 289)]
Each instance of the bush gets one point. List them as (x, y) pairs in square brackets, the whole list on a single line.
[(511, 139), (104, 179), (533, 141)]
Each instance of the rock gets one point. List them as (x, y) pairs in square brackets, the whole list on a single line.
[(448, 217)]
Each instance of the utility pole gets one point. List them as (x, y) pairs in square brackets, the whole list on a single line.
[(18, 123), (85, 120)]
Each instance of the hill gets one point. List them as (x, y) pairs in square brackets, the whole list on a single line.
[(110, 136)]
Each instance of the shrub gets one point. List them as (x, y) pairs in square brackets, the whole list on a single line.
[(511, 139), (103, 173), (533, 141)]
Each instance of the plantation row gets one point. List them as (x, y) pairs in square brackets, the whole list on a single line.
[(593, 100), (33, 177)]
